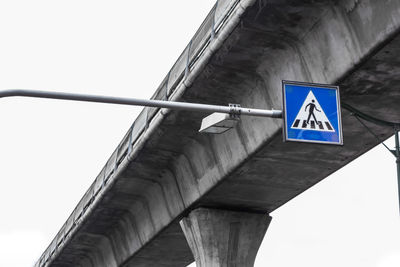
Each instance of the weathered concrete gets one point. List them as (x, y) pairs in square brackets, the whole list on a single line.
[(134, 220), (224, 238)]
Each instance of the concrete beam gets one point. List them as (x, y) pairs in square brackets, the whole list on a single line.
[(222, 238), (355, 44)]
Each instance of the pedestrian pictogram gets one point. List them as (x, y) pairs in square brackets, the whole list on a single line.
[(312, 113), (311, 116)]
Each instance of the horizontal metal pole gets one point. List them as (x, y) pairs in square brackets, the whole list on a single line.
[(143, 102)]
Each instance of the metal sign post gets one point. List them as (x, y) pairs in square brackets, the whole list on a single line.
[(237, 110), (397, 154)]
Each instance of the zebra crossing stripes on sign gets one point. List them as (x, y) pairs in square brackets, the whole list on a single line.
[(311, 116), (311, 113)]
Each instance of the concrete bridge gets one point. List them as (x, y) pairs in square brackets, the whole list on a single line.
[(169, 195)]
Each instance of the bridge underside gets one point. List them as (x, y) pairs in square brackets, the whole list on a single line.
[(354, 44)]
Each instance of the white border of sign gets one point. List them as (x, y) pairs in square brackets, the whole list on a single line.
[(305, 84)]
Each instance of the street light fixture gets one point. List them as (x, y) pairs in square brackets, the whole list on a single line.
[(218, 123)]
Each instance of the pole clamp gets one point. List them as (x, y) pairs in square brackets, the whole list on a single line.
[(235, 110)]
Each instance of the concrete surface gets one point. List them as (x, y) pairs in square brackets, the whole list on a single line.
[(224, 238), (355, 44)]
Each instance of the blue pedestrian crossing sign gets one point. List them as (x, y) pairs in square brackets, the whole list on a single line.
[(311, 113)]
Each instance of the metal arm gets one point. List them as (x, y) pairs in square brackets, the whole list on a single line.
[(142, 102), (395, 125)]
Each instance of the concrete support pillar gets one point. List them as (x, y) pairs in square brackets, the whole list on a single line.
[(222, 238)]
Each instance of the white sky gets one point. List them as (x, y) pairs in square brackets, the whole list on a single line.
[(51, 151)]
